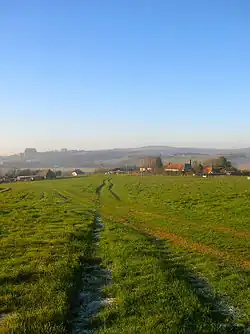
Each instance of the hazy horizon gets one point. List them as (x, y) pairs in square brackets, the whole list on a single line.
[(39, 149), (98, 75)]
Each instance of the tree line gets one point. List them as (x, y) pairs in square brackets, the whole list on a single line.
[(13, 172), (220, 165)]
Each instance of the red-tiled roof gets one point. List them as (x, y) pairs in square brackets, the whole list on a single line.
[(207, 169), (175, 166)]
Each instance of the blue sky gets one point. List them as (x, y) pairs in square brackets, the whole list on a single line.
[(101, 74)]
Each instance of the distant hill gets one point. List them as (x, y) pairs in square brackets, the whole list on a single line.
[(117, 157)]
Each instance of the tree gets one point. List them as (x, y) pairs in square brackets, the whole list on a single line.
[(50, 175), (197, 167), (101, 170), (245, 172), (218, 163), (11, 173), (58, 173), (1, 172), (24, 172), (223, 162), (159, 163)]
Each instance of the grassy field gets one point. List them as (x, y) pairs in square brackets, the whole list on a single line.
[(44, 232), (173, 255)]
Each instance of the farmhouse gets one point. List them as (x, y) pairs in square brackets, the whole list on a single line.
[(174, 167), (47, 174), (25, 178), (30, 152), (77, 172), (215, 171), (207, 170), (149, 163)]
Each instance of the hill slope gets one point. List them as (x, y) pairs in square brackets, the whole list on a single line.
[(117, 157)]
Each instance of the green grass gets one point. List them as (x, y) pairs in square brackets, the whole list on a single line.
[(154, 292), (206, 220), (178, 248), (42, 237)]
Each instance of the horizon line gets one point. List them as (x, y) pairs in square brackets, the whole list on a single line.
[(2, 154)]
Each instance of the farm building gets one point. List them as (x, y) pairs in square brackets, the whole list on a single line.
[(30, 152), (207, 170), (174, 167), (216, 171), (47, 174), (149, 164), (77, 172), (29, 178)]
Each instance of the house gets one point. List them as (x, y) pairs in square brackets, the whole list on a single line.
[(3, 179), (171, 167), (208, 170), (77, 172), (47, 174), (149, 163), (25, 178), (213, 171), (29, 178), (178, 167), (30, 152)]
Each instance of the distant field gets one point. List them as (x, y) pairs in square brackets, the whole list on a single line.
[(174, 251)]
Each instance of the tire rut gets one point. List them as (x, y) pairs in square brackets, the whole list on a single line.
[(218, 306), (111, 190), (66, 198), (94, 278), (4, 190)]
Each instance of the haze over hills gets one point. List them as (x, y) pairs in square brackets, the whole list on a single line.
[(118, 157)]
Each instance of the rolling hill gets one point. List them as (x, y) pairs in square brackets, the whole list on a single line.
[(117, 157)]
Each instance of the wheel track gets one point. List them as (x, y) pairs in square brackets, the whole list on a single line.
[(110, 187), (59, 194), (218, 306), (4, 190), (94, 278)]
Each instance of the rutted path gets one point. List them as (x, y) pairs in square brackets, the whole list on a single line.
[(184, 243), (98, 189), (59, 194), (3, 190), (111, 190), (218, 306), (94, 278)]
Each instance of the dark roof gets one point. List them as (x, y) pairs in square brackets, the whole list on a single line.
[(78, 171)]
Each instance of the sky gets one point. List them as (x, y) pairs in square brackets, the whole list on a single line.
[(91, 74)]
